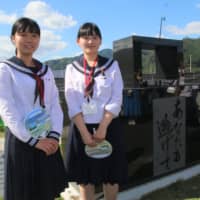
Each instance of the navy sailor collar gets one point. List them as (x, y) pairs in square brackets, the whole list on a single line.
[(19, 65), (102, 66)]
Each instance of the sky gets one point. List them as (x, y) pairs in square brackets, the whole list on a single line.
[(60, 20)]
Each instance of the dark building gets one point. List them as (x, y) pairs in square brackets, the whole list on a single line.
[(157, 57), (160, 127)]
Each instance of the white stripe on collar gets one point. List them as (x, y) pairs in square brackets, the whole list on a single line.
[(79, 67), (23, 69)]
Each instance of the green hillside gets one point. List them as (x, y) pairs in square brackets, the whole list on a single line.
[(191, 52)]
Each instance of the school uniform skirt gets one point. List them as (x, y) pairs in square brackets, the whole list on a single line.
[(85, 170), (30, 174)]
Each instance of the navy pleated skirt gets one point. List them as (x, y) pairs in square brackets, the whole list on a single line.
[(85, 170), (30, 174)]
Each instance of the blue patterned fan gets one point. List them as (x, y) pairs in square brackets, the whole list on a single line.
[(38, 123)]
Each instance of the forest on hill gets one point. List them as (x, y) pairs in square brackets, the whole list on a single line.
[(191, 52)]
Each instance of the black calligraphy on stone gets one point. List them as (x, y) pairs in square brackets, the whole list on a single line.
[(169, 134)]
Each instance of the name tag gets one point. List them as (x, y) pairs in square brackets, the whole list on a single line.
[(89, 108)]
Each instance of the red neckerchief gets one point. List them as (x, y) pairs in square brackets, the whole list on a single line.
[(39, 88), (89, 79)]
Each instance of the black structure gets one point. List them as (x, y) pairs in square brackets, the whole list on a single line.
[(161, 128), (168, 57)]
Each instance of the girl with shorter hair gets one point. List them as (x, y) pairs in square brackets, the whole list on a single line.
[(93, 91)]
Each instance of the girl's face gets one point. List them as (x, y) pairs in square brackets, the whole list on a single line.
[(89, 44), (26, 43)]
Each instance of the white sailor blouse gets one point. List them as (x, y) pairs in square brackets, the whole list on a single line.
[(107, 89), (17, 98)]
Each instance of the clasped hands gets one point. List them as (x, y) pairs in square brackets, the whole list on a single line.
[(48, 145), (93, 139)]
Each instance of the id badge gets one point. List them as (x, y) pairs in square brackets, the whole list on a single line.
[(89, 108)]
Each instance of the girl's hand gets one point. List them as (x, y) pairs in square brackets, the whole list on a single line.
[(100, 134), (85, 134), (48, 145), (88, 140)]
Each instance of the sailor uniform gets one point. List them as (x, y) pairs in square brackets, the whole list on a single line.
[(107, 95), (107, 89), (29, 173)]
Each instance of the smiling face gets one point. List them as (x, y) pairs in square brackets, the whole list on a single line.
[(26, 43), (89, 44), (25, 35), (89, 39)]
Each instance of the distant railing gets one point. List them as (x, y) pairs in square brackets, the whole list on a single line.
[(192, 78)]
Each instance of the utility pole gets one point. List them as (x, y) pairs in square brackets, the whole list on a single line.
[(161, 23), (190, 63)]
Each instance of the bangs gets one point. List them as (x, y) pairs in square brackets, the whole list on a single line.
[(29, 28), (89, 29), (25, 25), (88, 32)]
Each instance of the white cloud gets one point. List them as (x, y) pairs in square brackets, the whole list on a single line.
[(6, 48), (190, 28), (50, 43), (50, 22), (48, 17), (198, 5), (6, 18)]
